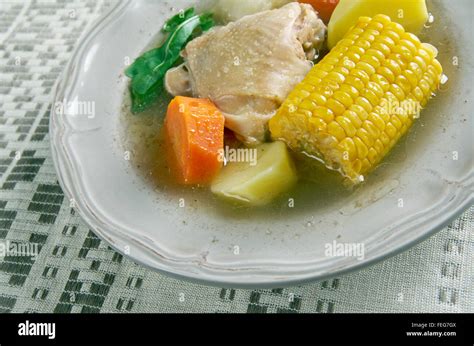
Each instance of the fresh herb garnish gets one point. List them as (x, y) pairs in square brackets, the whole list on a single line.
[(148, 71)]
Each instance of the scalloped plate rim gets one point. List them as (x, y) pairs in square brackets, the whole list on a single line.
[(64, 167)]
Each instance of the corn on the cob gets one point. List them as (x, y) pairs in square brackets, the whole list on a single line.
[(348, 112)]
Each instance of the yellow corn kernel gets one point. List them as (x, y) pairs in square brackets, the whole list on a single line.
[(344, 98), (348, 146), (347, 126), (324, 113), (353, 118), (349, 90), (387, 73), (336, 130), (362, 150), (365, 136), (360, 111), (319, 99)]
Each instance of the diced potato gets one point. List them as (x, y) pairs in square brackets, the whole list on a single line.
[(412, 14), (232, 10), (257, 183)]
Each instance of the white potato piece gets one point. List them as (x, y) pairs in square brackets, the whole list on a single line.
[(232, 10), (256, 185)]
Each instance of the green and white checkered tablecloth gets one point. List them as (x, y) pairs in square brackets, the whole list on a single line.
[(76, 272)]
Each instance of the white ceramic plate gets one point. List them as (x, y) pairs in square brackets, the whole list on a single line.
[(425, 183)]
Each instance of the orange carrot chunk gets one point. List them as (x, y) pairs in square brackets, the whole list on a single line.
[(195, 136)]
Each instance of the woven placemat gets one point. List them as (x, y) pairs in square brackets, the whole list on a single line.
[(77, 272)]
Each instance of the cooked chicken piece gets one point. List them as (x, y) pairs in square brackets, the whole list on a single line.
[(249, 67)]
